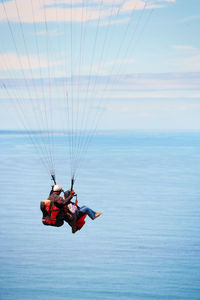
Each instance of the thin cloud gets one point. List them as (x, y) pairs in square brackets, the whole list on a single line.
[(192, 62), (189, 19), (184, 47), (169, 0), (134, 4), (141, 4), (159, 94), (50, 11), (145, 82), (114, 22), (22, 62)]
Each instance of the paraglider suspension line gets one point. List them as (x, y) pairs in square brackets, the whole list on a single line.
[(72, 183), (53, 177)]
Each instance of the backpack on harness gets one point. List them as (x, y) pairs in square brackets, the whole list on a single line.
[(50, 212)]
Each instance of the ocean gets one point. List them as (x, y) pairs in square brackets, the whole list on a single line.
[(146, 245)]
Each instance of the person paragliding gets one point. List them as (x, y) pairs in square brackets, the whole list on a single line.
[(80, 212), (57, 209), (54, 211)]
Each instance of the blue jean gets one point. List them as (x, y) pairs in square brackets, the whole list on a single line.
[(88, 211)]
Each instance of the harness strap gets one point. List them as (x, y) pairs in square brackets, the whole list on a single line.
[(50, 211), (50, 207)]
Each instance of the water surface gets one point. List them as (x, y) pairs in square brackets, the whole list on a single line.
[(146, 245)]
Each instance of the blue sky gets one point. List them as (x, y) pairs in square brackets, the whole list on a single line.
[(133, 64)]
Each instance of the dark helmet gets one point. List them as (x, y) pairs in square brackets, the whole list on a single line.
[(67, 193)]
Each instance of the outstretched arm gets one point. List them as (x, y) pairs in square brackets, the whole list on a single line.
[(68, 196)]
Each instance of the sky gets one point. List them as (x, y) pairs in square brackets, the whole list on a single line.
[(107, 64)]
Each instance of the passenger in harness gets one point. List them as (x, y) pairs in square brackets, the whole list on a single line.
[(80, 212)]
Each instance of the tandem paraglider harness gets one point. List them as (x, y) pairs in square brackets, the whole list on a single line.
[(50, 212)]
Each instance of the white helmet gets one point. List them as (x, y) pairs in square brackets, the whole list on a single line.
[(57, 188)]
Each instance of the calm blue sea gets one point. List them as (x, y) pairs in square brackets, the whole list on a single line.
[(145, 246)]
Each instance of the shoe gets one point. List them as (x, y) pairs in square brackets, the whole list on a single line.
[(97, 214), (74, 229)]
